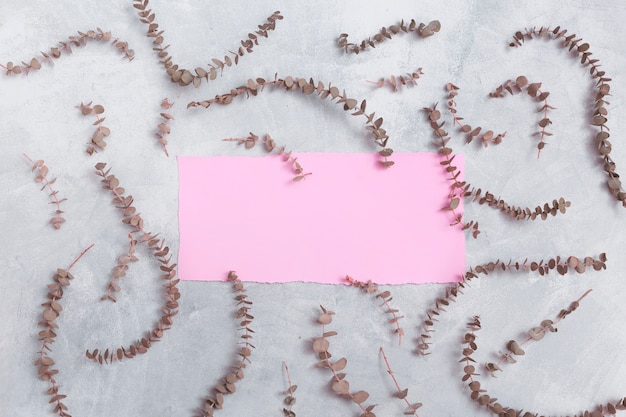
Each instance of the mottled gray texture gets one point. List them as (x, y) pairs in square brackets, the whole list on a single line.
[(580, 366)]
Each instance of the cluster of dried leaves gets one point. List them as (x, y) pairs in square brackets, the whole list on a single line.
[(184, 76), (168, 273), (74, 41), (253, 87), (602, 90), (410, 78), (487, 137), (52, 310), (536, 333), (227, 384), (97, 139), (543, 267), (164, 126), (41, 178), (338, 382), (422, 30), (385, 296), (269, 145), (533, 90), (478, 394)]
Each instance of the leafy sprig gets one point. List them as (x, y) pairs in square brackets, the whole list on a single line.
[(422, 30), (97, 139), (400, 392), (395, 82), (41, 178), (164, 126)]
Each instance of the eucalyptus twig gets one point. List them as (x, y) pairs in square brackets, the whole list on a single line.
[(536, 333), (338, 382), (101, 132), (487, 137), (120, 270), (543, 267), (290, 399), (52, 310), (269, 145), (401, 80), (41, 178), (401, 393), (253, 87), (164, 126), (74, 41), (227, 385), (385, 296), (183, 76), (162, 254), (602, 89), (533, 90), (422, 30)]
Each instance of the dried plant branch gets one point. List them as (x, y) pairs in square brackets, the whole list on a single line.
[(422, 30), (385, 296), (227, 385), (74, 41), (162, 254), (401, 80), (164, 126), (41, 178), (543, 267), (290, 399), (338, 382), (185, 77), (483, 399), (253, 87), (52, 310), (602, 90), (97, 139), (270, 145), (536, 334), (120, 270), (533, 90), (401, 393), (486, 138)]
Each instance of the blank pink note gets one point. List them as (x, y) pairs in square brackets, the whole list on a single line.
[(350, 217)]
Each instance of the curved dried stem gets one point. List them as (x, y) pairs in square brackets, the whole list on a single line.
[(227, 384), (164, 126), (66, 47), (561, 265), (253, 87), (42, 171), (52, 310), (536, 333), (269, 145), (422, 30), (486, 137), (385, 296), (602, 89), (401, 393), (184, 76), (162, 254), (410, 78), (338, 382)]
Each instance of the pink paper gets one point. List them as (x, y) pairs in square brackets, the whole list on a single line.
[(350, 217)]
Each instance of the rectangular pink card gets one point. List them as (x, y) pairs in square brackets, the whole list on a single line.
[(349, 217)]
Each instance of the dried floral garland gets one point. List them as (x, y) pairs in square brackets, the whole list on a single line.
[(97, 139), (481, 397), (164, 126), (52, 310), (227, 385), (253, 87), (602, 90), (270, 145), (42, 171), (422, 30), (543, 267), (74, 41), (338, 382), (168, 269), (385, 296), (184, 76), (395, 82)]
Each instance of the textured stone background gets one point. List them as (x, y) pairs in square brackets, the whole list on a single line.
[(580, 366)]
